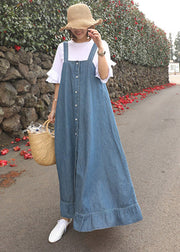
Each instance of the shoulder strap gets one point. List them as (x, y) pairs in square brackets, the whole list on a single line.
[(65, 51), (93, 50)]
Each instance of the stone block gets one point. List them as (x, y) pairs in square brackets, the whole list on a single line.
[(12, 74), (20, 101), (46, 99), (12, 57), (23, 69), (35, 90), (22, 86), (4, 66), (2, 55), (12, 124), (10, 111), (45, 87), (28, 115), (46, 64), (8, 94), (32, 77), (30, 100), (25, 57)]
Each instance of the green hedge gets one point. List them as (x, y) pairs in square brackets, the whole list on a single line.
[(34, 25)]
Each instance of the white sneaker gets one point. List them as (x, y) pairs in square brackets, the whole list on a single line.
[(59, 230)]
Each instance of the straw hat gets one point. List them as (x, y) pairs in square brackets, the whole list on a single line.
[(79, 17)]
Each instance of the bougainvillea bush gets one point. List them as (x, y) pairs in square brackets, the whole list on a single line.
[(34, 25)]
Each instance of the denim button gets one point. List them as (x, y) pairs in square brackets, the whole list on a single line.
[(75, 119), (75, 134), (77, 76), (75, 105), (77, 63), (75, 92)]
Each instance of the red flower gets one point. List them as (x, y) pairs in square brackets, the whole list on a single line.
[(17, 48), (17, 139), (30, 1), (63, 38), (115, 38), (28, 144), (59, 11), (16, 148), (4, 151), (132, 2), (28, 156), (127, 28), (24, 138), (23, 152), (3, 163)]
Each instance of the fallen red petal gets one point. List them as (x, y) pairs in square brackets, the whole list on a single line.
[(3, 163), (17, 139), (16, 148), (4, 151)]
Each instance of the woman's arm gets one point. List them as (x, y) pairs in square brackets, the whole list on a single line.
[(103, 68), (51, 116)]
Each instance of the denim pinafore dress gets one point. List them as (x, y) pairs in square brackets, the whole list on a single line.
[(95, 185)]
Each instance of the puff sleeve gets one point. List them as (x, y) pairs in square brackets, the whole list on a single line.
[(54, 74)]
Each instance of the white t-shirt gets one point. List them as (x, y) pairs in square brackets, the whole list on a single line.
[(77, 52)]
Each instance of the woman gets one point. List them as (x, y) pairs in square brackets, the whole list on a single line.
[(96, 190)]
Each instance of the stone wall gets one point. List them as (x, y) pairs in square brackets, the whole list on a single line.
[(25, 96), (129, 78)]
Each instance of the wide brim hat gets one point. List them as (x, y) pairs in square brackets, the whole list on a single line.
[(79, 17)]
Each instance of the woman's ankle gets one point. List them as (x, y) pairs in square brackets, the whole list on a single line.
[(67, 219)]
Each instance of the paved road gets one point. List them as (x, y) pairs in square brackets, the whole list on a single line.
[(150, 134)]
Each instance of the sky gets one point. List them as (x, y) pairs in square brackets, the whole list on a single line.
[(165, 14)]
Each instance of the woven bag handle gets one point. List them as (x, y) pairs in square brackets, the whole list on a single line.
[(46, 123)]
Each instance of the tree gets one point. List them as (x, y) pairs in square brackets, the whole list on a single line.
[(177, 47), (171, 46)]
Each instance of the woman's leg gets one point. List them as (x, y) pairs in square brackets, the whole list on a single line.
[(65, 218)]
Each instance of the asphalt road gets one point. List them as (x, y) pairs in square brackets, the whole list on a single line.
[(150, 134)]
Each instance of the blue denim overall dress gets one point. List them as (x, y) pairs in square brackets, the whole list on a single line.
[(95, 185)]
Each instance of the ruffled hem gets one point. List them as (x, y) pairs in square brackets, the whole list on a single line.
[(107, 218), (102, 219), (53, 77)]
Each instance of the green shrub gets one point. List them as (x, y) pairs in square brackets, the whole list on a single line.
[(132, 37), (34, 25)]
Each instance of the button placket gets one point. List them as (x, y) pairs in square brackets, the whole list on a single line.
[(76, 99)]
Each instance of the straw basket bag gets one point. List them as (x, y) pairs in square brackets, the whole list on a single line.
[(42, 146)]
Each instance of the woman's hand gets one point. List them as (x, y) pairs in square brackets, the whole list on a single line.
[(51, 116), (96, 37)]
